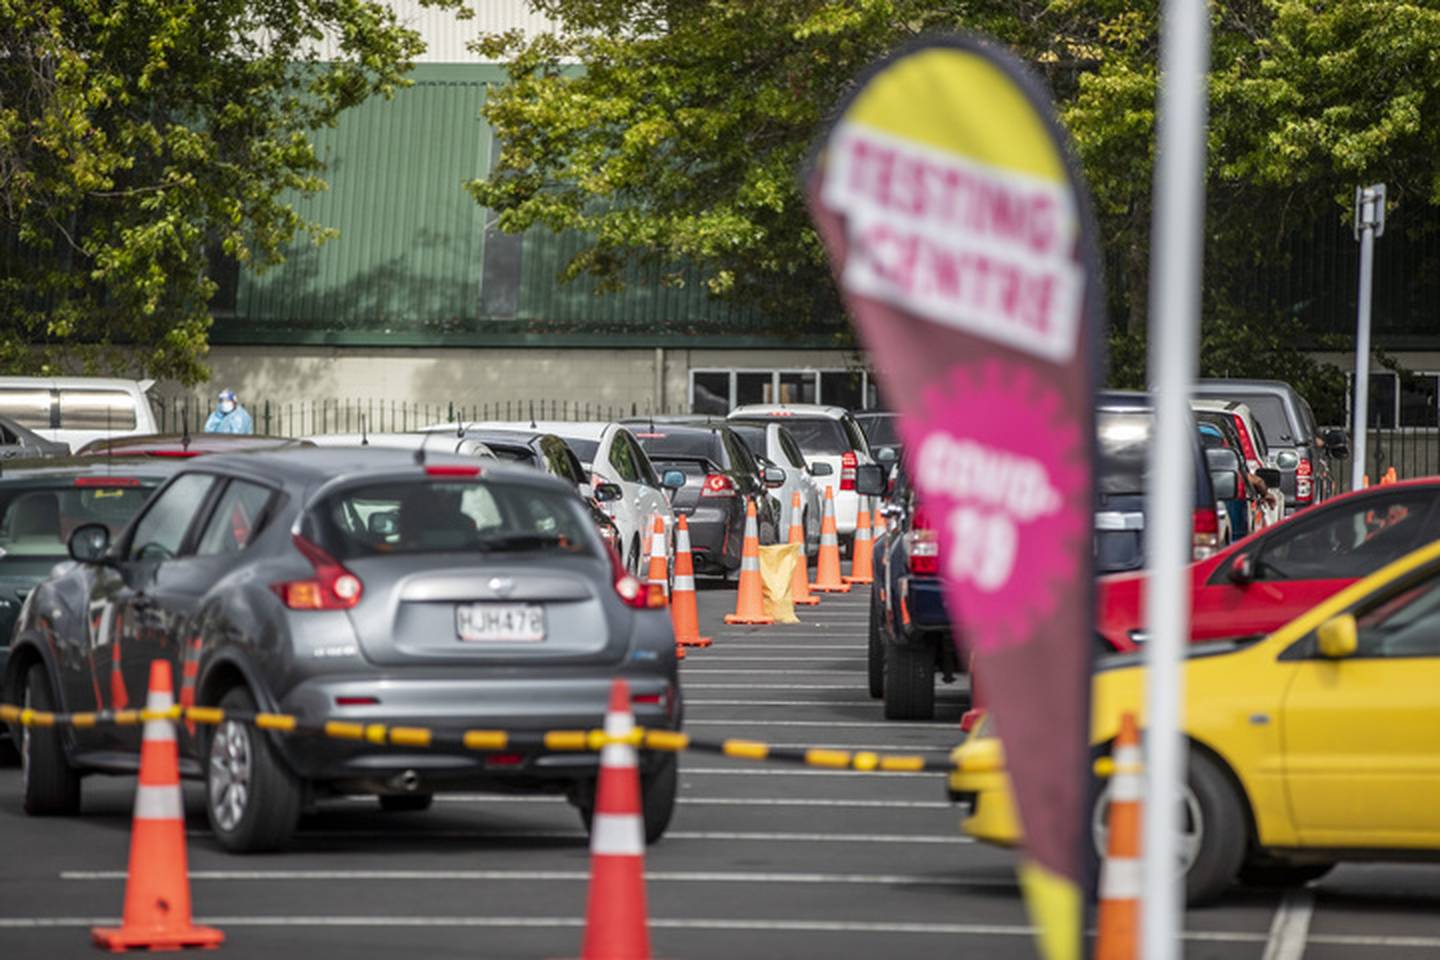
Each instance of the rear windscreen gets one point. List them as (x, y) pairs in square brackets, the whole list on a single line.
[(660, 445), (585, 450), (37, 522), (1124, 447), (880, 431), (754, 437), (817, 436), (420, 516), (1270, 413)]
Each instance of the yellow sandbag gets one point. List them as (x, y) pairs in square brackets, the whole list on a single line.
[(777, 572)]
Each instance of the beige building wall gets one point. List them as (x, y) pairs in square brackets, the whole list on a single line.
[(648, 379)]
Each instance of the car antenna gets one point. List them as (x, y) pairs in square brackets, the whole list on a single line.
[(185, 435), (420, 450), (532, 415), (364, 434)]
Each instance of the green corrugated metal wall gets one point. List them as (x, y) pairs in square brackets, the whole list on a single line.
[(409, 263)]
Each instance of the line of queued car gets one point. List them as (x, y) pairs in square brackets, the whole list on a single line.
[(465, 576)]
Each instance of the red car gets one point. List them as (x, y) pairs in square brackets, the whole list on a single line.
[(1263, 581)]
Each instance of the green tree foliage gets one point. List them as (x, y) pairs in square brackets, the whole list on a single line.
[(139, 141), (678, 135)]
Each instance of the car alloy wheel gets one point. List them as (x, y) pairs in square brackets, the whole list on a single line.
[(230, 774), (1192, 832)]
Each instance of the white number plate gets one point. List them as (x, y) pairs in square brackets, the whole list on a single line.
[(500, 622)]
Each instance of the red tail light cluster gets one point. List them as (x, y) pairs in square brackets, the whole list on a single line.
[(1247, 446), (1205, 532), (922, 546), (332, 588), (107, 482), (718, 485), (1305, 481), (848, 462), (631, 591)]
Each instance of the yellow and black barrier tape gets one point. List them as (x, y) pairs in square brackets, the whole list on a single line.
[(491, 741)]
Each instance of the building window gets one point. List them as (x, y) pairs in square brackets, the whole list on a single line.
[(1418, 400), (717, 392), (1403, 399)]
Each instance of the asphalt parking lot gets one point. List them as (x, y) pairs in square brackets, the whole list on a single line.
[(763, 861)]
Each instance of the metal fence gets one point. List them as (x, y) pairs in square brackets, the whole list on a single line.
[(311, 417), (1412, 451)]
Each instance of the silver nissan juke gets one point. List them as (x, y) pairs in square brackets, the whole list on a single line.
[(345, 585)]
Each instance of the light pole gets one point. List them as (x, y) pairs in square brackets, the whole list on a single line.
[(1369, 224)]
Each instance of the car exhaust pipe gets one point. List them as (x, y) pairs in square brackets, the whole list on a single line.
[(409, 781)]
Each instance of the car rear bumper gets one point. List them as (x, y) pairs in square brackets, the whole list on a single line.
[(454, 707), (920, 606), (716, 536)]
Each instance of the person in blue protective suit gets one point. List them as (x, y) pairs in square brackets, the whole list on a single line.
[(229, 416)]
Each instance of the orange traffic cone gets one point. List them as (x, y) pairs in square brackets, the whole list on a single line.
[(683, 611), (119, 699), (800, 583), (827, 569), (658, 577), (1118, 926), (1364, 480), (157, 893), (750, 602), (862, 569), (615, 919)]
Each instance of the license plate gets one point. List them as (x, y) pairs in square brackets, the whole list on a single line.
[(500, 622)]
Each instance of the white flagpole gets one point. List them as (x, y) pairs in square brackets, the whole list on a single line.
[(1177, 253)]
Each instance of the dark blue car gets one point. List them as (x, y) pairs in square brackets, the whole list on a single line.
[(910, 637)]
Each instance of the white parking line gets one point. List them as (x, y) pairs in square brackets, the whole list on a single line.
[(781, 772), (808, 646), (828, 659), (708, 801), (780, 703), (704, 836), (662, 876), (1291, 927), (692, 671), (772, 686), (817, 723)]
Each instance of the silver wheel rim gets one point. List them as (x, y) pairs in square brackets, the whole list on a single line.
[(25, 745), (229, 777), (1192, 835)]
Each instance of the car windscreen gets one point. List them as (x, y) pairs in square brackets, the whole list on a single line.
[(881, 431), (36, 521), (753, 436), (513, 454), (424, 516), (817, 436), (660, 445), (1123, 442), (584, 449), (1269, 411)]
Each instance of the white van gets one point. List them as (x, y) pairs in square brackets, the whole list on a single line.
[(77, 410)]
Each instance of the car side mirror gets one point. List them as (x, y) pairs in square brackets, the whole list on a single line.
[(821, 470), (1338, 637), (1243, 569), (89, 543), (385, 523), (608, 492), (672, 479), (1270, 476), (885, 455), (1335, 438), (870, 480), (1226, 484), (774, 477)]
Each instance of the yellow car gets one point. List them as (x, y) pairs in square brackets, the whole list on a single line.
[(1316, 744)]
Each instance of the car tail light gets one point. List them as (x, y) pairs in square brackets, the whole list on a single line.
[(177, 454), (718, 485), (922, 546), (631, 591), (1247, 446), (106, 482), (357, 701), (1304, 481), (848, 462), (452, 470), (653, 698), (1205, 532), (332, 588), (505, 760)]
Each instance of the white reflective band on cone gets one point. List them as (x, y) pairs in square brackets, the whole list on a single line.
[(618, 754), (619, 834), (1126, 788), (158, 803), (1120, 879), (682, 540), (829, 540), (159, 730), (684, 583), (750, 563), (657, 545)]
